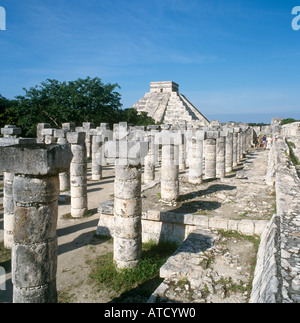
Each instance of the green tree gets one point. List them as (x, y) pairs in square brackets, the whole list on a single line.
[(132, 116), (54, 102), (7, 112), (287, 121)]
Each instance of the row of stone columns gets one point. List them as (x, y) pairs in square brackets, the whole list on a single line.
[(36, 189), (127, 200), (85, 142)]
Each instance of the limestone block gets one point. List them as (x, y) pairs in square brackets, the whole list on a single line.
[(17, 141), (37, 269), (218, 223), (246, 227), (127, 252), (152, 215), (212, 135), (11, 130), (35, 224), (36, 159), (200, 135), (259, 226), (78, 203), (44, 294), (127, 208), (88, 125), (201, 221), (232, 225), (127, 228), (76, 138), (105, 225), (47, 132), (59, 133), (68, 126), (36, 190)]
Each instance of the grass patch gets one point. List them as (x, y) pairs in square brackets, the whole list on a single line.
[(292, 155), (64, 297), (236, 235), (232, 287), (121, 281)]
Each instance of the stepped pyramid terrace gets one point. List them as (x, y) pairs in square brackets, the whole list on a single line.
[(166, 105)]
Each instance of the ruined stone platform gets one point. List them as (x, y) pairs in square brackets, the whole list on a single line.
[(208, 265)]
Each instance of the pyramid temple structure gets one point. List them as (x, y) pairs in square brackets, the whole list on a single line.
[(166, 105)]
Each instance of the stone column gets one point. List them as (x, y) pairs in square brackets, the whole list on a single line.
[(8, 206), (36, 191), (127, 215), (128, 203), (155, 130), (170, 165), (48, 135), (240, 146), (211, 154), (9, 131), (244, 147), (78, 174), (64, 178), (97, 142), (188, 146), (39, 132), (87, 128), (235, 146), (183, 149), (221, 153), (196, 158), (249, 138), (150, 159), (229, 151)]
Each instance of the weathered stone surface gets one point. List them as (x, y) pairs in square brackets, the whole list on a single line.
[(35, 224), (39, 262), (127, 215), (166, 105), (35, 190), (34, 159), (277, 268)]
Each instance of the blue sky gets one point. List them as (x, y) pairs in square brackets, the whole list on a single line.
[(233, 59)]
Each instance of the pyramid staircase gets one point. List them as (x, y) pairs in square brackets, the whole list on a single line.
[(169, 107)]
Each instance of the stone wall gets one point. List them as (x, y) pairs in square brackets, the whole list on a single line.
[(175, 227), (277, 274)]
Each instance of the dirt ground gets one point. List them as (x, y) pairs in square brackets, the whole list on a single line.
[(239, 195)]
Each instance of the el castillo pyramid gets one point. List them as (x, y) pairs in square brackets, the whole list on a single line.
[(166, 105)]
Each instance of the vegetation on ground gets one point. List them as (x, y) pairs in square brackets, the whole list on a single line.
[(121, 281)]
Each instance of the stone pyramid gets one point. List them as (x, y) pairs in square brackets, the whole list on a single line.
[(166, 105)]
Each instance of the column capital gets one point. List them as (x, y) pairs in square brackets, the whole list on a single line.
[(35, 159)]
